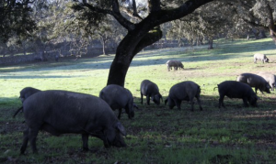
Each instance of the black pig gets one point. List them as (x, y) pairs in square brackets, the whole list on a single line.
[(234, 89), (59, 112), (187, 90), (150, 90)]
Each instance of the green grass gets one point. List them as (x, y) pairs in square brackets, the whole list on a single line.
[(156, 134)]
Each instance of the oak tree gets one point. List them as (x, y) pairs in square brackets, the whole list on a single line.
[(142, 23)]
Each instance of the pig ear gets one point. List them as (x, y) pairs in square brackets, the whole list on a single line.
[(121, 128)]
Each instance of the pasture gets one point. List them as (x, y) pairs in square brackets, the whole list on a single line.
[(156, 134)]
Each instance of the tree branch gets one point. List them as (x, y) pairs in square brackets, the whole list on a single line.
[(150, 38), (115, 12), (129, 13), (92, 8), (118, 16), (154, 5), (135, 13), (162, 16)]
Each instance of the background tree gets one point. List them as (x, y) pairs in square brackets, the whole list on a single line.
[(109, 31), (67, 32), (15, 18), (265, 11), (206, 23), (257, 14), (16, 24)]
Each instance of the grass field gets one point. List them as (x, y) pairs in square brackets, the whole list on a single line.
[(156, 134)]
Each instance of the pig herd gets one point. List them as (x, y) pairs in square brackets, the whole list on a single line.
[(58, 112)]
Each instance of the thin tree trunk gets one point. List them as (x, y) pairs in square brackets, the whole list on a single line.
[(211, 44), (24, 49), (103, 43), (273, 35), (248, 36)]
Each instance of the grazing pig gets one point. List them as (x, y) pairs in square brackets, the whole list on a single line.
[(261, 57), (25, 93), (186, 90), (254, 81), (150, 90), (270, 78), (118, 97), (60, 112), (234, 89), (174, 64)]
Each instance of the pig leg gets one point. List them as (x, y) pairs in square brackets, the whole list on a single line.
[(25, 141), (192, 105), (245, 102), (178, 103), (129, 110), (199, 102), (141, 98), (221, 101), (148, 99), (191, 101), (272, 86), (33, 134), (85, 141)]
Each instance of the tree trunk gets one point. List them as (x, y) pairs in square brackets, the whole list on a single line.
[(248, 37), (211, 44), (41, 55), (24, 48), (273, 35), (104, 47), (118, 70), (103, 43)]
